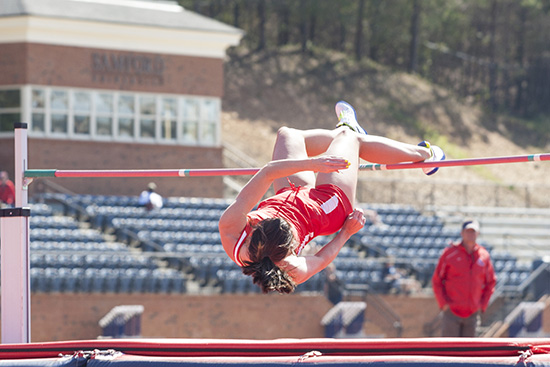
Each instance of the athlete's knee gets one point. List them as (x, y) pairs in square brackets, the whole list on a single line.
[(286, 132), (345, 133)]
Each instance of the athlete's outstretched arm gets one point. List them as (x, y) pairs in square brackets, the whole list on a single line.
[(233, 220), (301, 268)]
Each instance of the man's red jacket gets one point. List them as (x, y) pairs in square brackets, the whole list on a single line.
[(464, 281), (7, 193)]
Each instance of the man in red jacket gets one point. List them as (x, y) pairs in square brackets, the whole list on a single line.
[(7, 190), (463, 282)]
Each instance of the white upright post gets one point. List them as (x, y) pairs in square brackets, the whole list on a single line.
[(21, 157), (15, 266)]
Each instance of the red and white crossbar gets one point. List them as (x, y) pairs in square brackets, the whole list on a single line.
[(459, 162), (34, 173)]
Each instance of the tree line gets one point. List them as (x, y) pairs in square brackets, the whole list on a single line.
[(496, 51)]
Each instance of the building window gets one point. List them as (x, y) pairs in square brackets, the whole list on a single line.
[(190, 125), (38, 116), (82, 112), (126, 116), (168, 115), (209, 123), (99, 115), (59, 102), (104, 114), (10, 108), (147, 108)]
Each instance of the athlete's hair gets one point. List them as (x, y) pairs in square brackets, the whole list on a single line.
[(270, 242)]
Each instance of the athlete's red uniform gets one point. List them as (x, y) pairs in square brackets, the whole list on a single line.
[(311, 212)]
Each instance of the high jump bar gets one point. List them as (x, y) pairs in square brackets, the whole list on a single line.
[(34, 173)]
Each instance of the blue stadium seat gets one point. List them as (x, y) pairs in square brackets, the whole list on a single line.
[(434, 253), (229, 280), (177, 283), (138, 283), (38, 280), (150, 283), (125, 279), (162, 281), (85, 281), (108, 280), (97, 279), (502, 278), (71, 280)]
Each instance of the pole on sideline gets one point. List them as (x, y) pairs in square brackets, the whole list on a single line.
[(15, 264)]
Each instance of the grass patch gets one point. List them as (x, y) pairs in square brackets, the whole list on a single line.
[(404, 118), (455, 152)]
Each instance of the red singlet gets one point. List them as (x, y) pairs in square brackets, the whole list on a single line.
[(311, 212)]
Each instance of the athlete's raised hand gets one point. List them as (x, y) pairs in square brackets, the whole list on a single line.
[(354, 222), (329, 163)]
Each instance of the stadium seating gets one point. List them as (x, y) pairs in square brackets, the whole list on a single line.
[(66, 257)]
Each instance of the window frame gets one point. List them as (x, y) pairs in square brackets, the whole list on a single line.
[(12, 110), (207, 106)]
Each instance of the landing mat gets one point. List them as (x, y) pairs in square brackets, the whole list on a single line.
[(281, 352)]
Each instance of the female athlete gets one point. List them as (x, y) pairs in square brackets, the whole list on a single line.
[(314, 175)]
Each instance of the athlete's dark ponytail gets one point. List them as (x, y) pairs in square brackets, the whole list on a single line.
[(271, 242)]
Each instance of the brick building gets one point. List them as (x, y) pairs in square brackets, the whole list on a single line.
[(118, 84)]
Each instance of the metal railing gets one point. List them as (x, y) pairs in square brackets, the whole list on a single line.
[(386, 318)]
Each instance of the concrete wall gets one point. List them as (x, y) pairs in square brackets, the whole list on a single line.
[(76, 316), (58, 317), (252, 316)]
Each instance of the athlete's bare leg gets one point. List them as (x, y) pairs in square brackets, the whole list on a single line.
[(345, 144), (294, 143)]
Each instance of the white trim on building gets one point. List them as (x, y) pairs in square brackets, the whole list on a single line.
[(120, 37)]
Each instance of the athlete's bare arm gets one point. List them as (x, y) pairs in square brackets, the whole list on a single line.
[(301, 268)]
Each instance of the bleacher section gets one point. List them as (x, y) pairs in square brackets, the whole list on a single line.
[(185, 229), (523, 232), (168, 249), (409, 237), (66, 257)]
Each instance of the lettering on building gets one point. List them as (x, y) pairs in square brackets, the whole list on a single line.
[(127, 69)]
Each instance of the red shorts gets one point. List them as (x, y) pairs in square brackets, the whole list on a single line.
[(326, 205)]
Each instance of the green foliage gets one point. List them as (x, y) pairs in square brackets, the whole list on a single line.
[(495, 51)]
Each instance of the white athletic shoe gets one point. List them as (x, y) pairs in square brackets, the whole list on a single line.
[(437, 154), (347, 117)]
